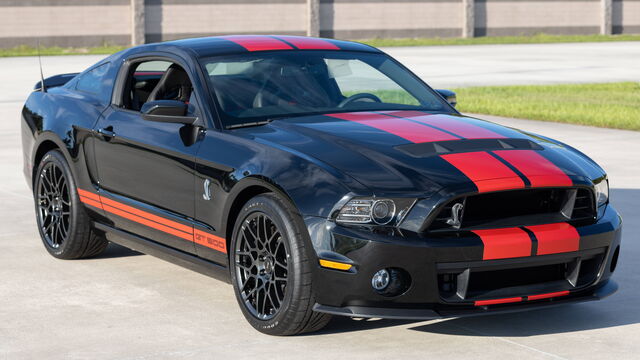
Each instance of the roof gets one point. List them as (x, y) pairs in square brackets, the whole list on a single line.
[(233, 44)]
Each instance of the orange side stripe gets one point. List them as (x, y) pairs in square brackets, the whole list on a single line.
[(91, 202), (156, 222), (209, 240), (146, 215), (148, 223), (88, 194)]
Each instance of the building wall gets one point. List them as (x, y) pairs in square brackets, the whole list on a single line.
[(174, 19), (525, 17), (626, 16), (95, 22), (64, 22), (357, 19)]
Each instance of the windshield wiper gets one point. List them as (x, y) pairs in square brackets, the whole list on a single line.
[(249, 124)]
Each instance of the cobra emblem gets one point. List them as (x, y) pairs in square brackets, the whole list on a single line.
[(456, 215), (207, 190)]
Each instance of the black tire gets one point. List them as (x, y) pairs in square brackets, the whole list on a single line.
[(284, 228), (63, 223)]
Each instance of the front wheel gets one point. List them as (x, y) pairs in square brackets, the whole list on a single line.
[(271, 270), (65, 227)]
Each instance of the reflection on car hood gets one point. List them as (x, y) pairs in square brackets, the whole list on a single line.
[(402, 152)]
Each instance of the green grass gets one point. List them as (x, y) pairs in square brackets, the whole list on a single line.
[(612, 105), (535, 39), (24, 50)]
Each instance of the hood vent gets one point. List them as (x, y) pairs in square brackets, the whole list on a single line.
[(466, 145)]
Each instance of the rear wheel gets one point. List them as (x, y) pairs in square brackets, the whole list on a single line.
[(65, 227), (270, 268)]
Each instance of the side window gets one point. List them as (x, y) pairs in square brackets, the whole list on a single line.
[(93, 81), (156, 80)]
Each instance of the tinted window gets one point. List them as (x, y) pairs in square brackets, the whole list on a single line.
[(276, 85), (92, 81), (156, 80)]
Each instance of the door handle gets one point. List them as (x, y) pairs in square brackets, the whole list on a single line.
[(107, 132)]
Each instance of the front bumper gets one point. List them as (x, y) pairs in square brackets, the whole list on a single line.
[(601, 292), (439, 267)]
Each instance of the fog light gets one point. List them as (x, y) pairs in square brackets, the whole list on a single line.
[(380, 280), (391, 282)]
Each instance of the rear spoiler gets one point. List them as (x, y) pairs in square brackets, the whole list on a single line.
[(55, 81)]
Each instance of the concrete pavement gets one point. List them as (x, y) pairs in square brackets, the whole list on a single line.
[(124, 305), (526, 64)]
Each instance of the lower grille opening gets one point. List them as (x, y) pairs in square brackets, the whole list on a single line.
[(515, 208), (491, 281), (486, 282)]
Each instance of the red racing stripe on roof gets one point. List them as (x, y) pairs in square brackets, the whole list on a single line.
[(486, 172), (556, 238), (258, 43), (540, 171), (307, 43), (504, 243), (405, 129), (461, 128)]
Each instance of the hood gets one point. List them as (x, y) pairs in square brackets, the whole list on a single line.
[(411, 152)]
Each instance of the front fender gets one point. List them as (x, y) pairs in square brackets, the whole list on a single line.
[(234, 164)]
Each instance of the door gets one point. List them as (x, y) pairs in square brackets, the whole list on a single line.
[(146, 168)]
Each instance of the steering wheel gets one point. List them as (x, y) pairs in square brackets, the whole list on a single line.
[(357, 97)]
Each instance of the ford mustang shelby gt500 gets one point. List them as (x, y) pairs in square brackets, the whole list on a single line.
[(319, 177)]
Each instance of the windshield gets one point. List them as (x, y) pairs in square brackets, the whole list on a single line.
[(270, 85)]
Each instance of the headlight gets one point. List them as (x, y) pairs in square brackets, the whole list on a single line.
[(602, 191), (374, 211)]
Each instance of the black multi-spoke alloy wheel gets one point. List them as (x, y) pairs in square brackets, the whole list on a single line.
[(64, 226), (271, 268)]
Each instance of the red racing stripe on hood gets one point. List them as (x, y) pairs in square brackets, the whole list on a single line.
[(540, 171), (405, 129), (258, 43), (555, 238), (451, 124), (504, 243), (486, 172), (306, 43)]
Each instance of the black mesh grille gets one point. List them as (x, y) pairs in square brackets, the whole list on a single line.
[(515, 208)]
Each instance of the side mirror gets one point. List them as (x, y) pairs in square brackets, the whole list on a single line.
[(169, 111), (448, 95)]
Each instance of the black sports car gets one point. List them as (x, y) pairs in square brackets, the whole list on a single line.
[(319, 177)]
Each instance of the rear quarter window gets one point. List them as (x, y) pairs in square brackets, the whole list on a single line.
[(96, 82)]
